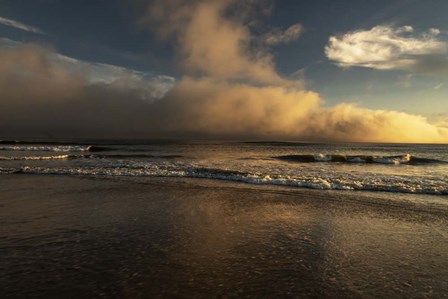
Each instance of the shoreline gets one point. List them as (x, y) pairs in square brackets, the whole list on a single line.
[(162, 237), (427, 203)]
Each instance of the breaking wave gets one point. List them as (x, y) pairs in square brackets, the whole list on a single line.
[(396, 184), (42, 148), (64, 157), (39, 158), (88, 156), (250, 163)]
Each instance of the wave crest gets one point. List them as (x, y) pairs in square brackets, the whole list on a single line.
[(38, 158), (39, 148), (396, 184)]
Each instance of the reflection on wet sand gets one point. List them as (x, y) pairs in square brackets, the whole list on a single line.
[(165, 238)]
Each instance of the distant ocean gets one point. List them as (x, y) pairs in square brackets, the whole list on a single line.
[(396, 168)]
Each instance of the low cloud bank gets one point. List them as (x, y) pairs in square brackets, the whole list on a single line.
[(42, 99)]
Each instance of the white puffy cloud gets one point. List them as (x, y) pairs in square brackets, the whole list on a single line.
[(389, 48), (19, 25)]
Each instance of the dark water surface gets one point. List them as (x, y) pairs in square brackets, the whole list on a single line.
[(394, 168), (71, 237)]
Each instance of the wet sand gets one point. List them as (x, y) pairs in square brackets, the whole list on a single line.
[(69, 237)]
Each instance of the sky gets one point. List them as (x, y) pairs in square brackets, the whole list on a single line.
[(352, 70)]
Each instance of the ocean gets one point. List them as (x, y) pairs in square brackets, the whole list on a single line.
[(393, 168)]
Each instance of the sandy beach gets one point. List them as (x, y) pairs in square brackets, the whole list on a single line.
[(69, 237)]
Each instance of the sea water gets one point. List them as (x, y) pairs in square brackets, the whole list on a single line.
[(396, 168)]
